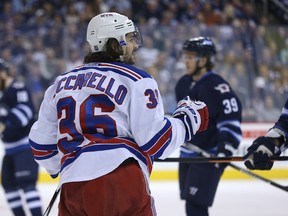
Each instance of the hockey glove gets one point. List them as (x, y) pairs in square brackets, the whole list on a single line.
[(259, 153), (224, 149), (194, 115)]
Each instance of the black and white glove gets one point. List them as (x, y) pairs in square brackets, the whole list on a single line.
[(260, 152), (194, 115)]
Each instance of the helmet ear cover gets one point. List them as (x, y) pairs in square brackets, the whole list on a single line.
[(110, 25)]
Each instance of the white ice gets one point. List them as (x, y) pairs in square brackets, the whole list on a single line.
[(234, 197)]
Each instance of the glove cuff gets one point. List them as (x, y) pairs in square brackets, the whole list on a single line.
[(268, 142), (183, 118), (276, 133)]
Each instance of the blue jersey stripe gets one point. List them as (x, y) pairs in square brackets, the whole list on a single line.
[(154, 139), (118, 72), (162, 149), (105, 69), (38, 147), (47, 156), (100, 147), (125, 70)]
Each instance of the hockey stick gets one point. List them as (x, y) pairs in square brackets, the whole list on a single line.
[(214, 159), (285, 188), (247, 172), (52, 201)]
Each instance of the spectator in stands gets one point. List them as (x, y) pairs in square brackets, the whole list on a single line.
[(267, 112), (48, 20)]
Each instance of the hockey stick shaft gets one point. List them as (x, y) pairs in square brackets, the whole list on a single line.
[(51, 203), (285, 188), (247, 172), (214, 159)]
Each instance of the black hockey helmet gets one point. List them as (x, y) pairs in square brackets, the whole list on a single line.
[(4, 65), (204, 46)]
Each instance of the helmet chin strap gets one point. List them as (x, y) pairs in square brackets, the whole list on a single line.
[(197, 69), (121, 57)]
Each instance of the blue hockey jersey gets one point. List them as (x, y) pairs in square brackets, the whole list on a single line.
[(17, 114), (224, 110), (282, 122), (282, 125)]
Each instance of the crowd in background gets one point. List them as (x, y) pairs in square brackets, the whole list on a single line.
[(43, 39)]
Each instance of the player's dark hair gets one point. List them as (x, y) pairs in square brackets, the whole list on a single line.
[(210, 64), (111, 52)]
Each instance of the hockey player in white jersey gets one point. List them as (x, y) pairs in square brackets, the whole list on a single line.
[(102, 124)]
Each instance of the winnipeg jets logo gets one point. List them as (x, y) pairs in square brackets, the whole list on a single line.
[(223, 88), (207, 42), (193, 190)]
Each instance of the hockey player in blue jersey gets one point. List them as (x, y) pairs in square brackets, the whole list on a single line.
[(19, 169), (198, 182), (101, 125), (272, 144)]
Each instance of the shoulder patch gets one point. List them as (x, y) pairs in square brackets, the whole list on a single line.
[(223, 88), (18, 85)]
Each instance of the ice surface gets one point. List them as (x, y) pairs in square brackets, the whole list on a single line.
[(234, 197)]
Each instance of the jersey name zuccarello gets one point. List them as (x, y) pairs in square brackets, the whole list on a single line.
[(96, 81)]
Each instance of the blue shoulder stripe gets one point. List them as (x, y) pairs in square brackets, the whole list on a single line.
[(125, 70), (118, 72), (128, 71), (140, 72)]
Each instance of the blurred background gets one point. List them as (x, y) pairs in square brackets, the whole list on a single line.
[(45, 38)]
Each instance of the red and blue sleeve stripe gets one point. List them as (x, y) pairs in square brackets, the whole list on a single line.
[(42, 152), (108, 144), (156, 146)]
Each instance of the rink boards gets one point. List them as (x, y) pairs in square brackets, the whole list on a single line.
[(168, 170)]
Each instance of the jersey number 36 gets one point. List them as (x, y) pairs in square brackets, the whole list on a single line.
[(91, 124)]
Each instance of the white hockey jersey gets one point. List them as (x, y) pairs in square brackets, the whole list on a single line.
[(98, 115)]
